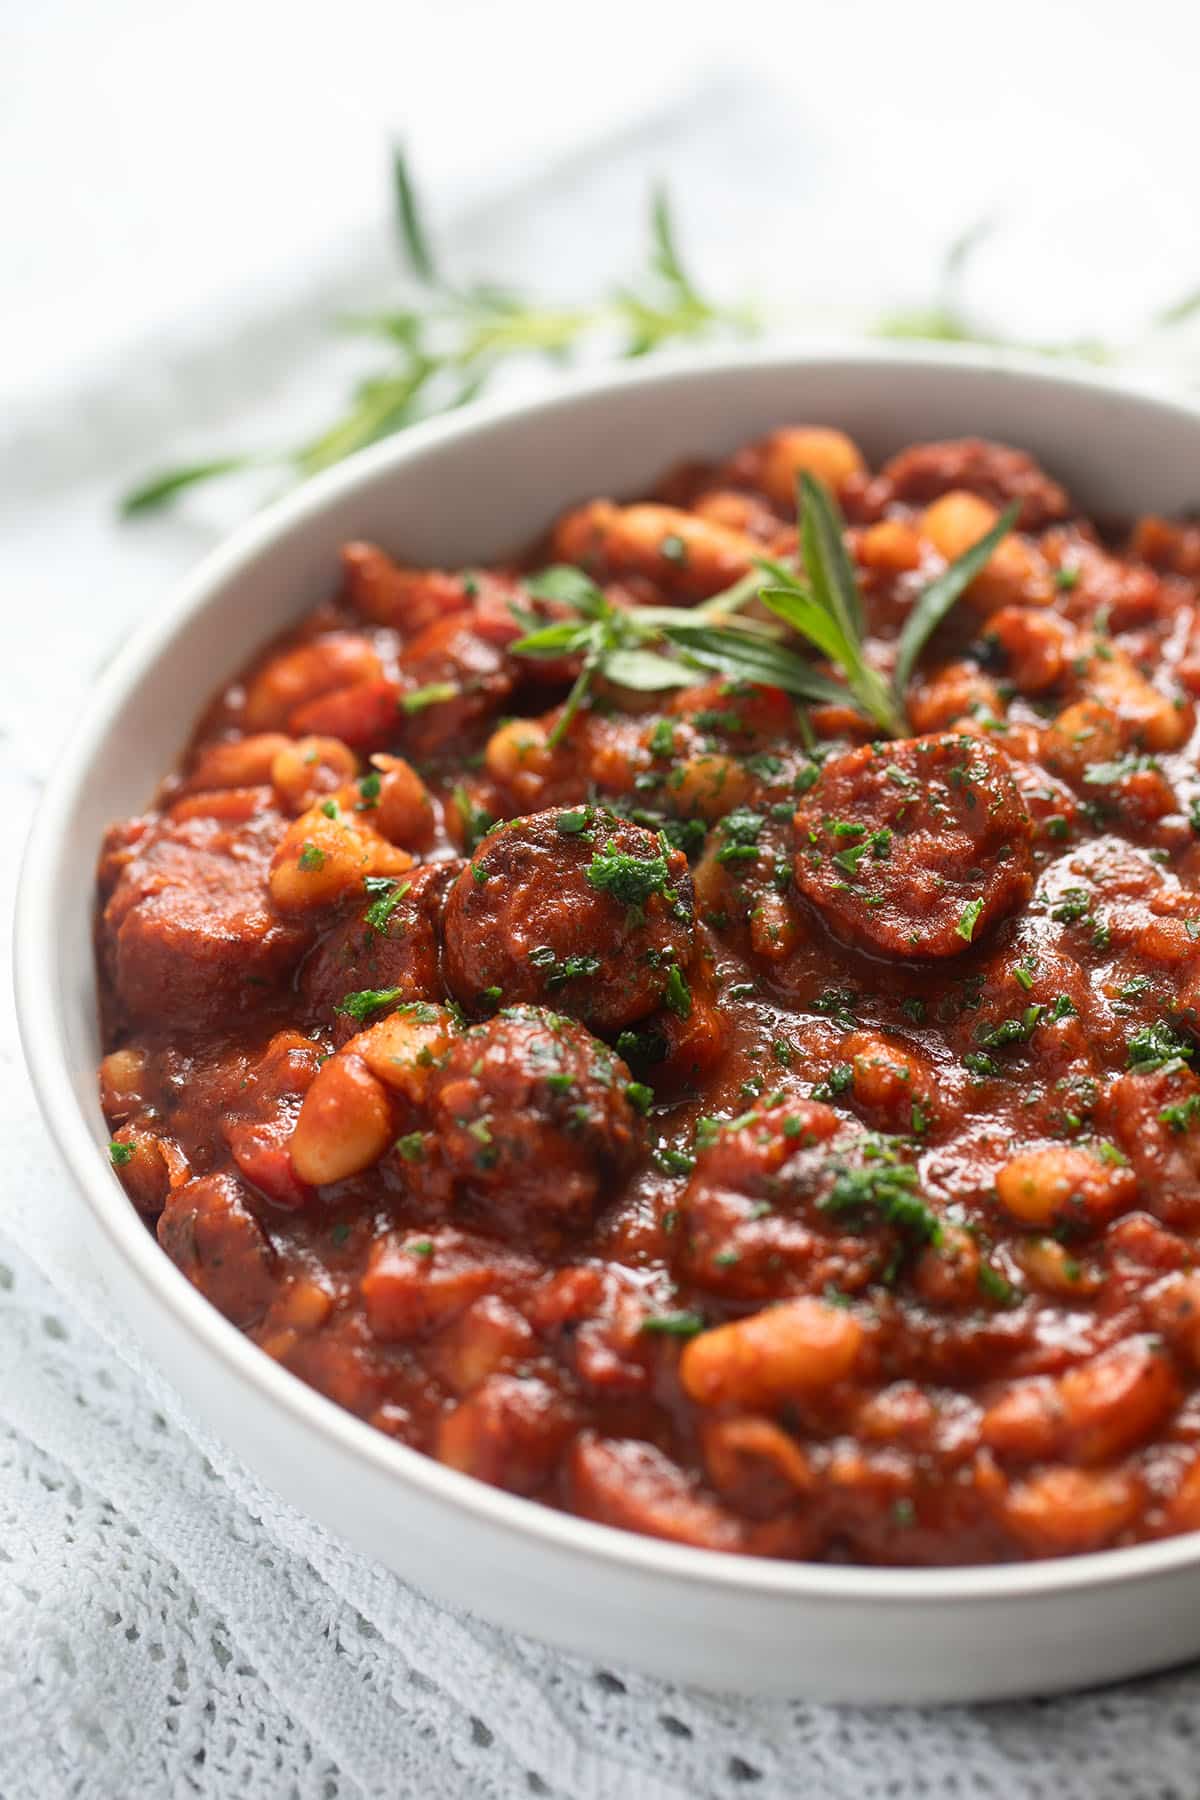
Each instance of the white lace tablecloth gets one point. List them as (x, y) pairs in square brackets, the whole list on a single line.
[(167, 1627)]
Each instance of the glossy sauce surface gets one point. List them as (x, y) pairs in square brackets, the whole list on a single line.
[(704, 1117)]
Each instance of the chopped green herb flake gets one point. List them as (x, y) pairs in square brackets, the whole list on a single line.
[(366, 1001), (437, 692), (969, 919), (673, 1324), (678, 995), (630, 879), (1157, 1046), (1181, 1115), (995, 1286)]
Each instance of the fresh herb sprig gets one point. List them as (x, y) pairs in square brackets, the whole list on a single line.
[(627, 645), (451, 340), (822, 602), (652, 648)]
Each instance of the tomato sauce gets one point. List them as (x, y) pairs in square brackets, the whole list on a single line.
[(685, 1106)]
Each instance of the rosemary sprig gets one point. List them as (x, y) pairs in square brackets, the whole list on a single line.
[(452, 340), (448, 343), (934, 602), (630, 645), (826, 606), (652, 648)]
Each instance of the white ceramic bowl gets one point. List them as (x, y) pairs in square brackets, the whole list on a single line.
[(458, 491)]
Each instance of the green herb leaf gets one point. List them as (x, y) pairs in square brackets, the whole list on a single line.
[(630, 879), (935, 601), (678, 995), (410, 228), (570, 587), (673, 1324), (969, 919), (435, 694), (645, 671), (388, 894), (826, 608), (158, 490), (1158, 1046), (366, 1001)]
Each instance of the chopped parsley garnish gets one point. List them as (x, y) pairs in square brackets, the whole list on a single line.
[(837, 1004), (368, 789), (885, 1186), (437, 692), (1104, 774), (362, 1004), (740, 829), (969, 919), (639, 1096), (630, 879), (878, 845), (662, 739), (838, 1080), (311, 858), (1157, 1046), (642, 1047), (570, 968), (570, 824), (992, 1283), (1075, 903), (765, 766), (120, 1154), (678, 995), (388, 894), (412, 1146), (1181, 1114), (674, 1324), (476, 822), (1010, 1031)]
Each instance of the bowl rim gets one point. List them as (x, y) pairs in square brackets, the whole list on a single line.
[(39, 1001)]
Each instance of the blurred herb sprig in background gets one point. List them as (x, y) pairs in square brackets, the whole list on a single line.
[(450, 340)]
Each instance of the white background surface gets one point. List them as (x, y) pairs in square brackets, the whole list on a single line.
[(186, 194)]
